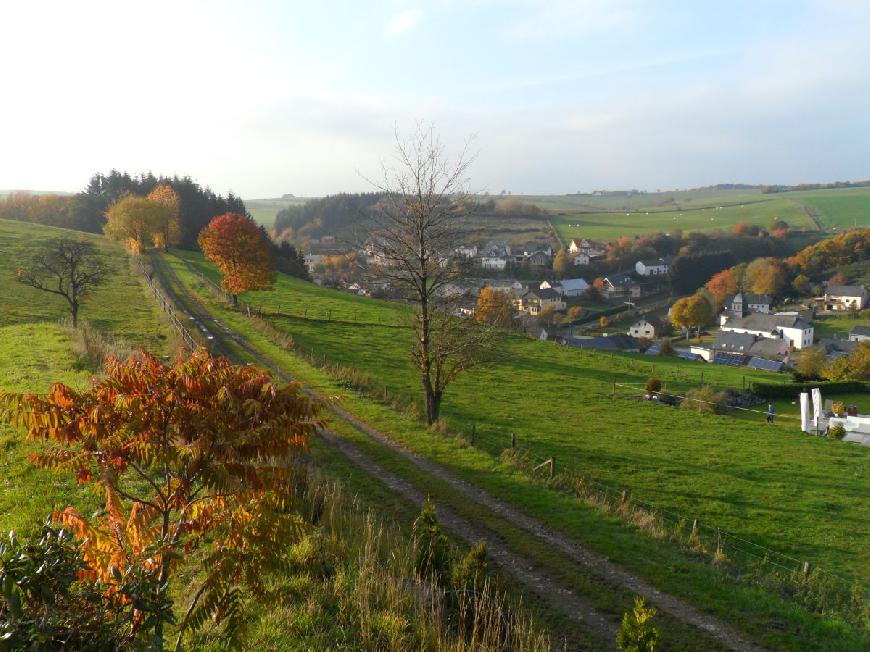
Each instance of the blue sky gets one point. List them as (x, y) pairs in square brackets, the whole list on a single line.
[(271, 97)]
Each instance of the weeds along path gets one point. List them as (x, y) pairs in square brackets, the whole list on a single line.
[(565, 600)]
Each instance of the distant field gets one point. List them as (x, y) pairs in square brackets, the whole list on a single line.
[(609, 226), (264, 210), (769, 483), (841, 208), (120, 307), (838, 325), (645, 202)]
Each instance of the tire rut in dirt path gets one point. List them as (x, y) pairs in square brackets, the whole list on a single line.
[(596, 563)]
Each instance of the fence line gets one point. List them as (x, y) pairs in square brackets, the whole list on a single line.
[(187, 339)]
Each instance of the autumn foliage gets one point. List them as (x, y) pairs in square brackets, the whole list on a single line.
[(495, 307), (137, 221), (239, 249), (169, 231), (199, 451)]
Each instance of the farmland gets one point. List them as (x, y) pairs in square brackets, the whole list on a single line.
[(842, 208), (560, 402), (264, 210), (609, 226)]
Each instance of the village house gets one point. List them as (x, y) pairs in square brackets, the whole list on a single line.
[(621, 285), (646, 327), (513, 287), (654, 266), (569, 287), (535, 301), (792, 328), (493, 262), (466, 251), (495, 249), (845, 297), (538, 259), (834, 348), (859, 334)]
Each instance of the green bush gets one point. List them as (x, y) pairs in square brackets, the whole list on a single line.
[(471, 569), (431, 547), (637, 633), (837, 431)]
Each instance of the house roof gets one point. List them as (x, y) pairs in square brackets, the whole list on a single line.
[(767, 323), (847, 290), (653, 320), (860, 330), (734, 342), (748, 298), (770, 349), (574, 284), (834, 345), (619, 279), (543, 294)]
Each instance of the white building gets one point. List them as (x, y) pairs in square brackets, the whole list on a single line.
[(646, 327), (794, 329), (493, 262), (466, 251), (653, 267), (846, 297), (570, 287)]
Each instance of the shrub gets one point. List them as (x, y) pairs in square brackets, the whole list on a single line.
[(837, 431), (704, 399), (653, 385), (431, 548), (791, 390), (471, 569), (838, 407), (637, 633)]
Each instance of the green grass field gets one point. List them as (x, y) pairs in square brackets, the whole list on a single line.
[(768, 483), (609, 226), (122, 307), (842, 208), (837, 325), (264, 210)]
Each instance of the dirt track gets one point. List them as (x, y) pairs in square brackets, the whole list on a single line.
[(576, 607)]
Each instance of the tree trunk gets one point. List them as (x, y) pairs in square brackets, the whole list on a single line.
[(433, 401), (235, 300), (74, 311)]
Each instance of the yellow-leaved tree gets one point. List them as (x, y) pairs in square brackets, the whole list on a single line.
[(135, 221), (169, 231)]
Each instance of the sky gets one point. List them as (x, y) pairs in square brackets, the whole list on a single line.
[(266, 98)]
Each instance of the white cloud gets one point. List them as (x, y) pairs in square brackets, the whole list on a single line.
[(403, 21)]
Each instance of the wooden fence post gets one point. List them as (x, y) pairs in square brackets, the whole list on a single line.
[(513, 441), (473, 432), (552, 466)]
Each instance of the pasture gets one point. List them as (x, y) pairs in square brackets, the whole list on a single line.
[(842, 208), (264, 210), (767, 483), (121, 307), (609, 226)]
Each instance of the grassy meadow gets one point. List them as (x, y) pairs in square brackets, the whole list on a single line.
[(768, 483), (264, 210), (841, 208), (609, 226), (122, 307)]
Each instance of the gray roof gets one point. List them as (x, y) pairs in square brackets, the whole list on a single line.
[(734, 342), (847, 290), (771, 349), (860, 330), (619, 279), (655, 262), (748, 298), (546, 293), (767, 323), (835, 345)]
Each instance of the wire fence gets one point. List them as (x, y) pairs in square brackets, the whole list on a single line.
[(187, 339)]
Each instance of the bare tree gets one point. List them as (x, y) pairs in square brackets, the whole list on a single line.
[(414, 232), (68, 268)]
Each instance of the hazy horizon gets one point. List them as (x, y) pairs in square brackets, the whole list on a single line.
[(272, 98)]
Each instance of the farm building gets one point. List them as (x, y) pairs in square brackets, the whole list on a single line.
[(617, 285), (493, 262), (569, 287)]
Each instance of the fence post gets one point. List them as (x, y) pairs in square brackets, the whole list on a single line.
[(552, 466), (806, 568), (473, 432), (513, 441), (614, 389)]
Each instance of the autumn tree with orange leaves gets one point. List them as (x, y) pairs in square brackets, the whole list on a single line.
[(136, 221), (199, 452), (241, 252), (495, 307)]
